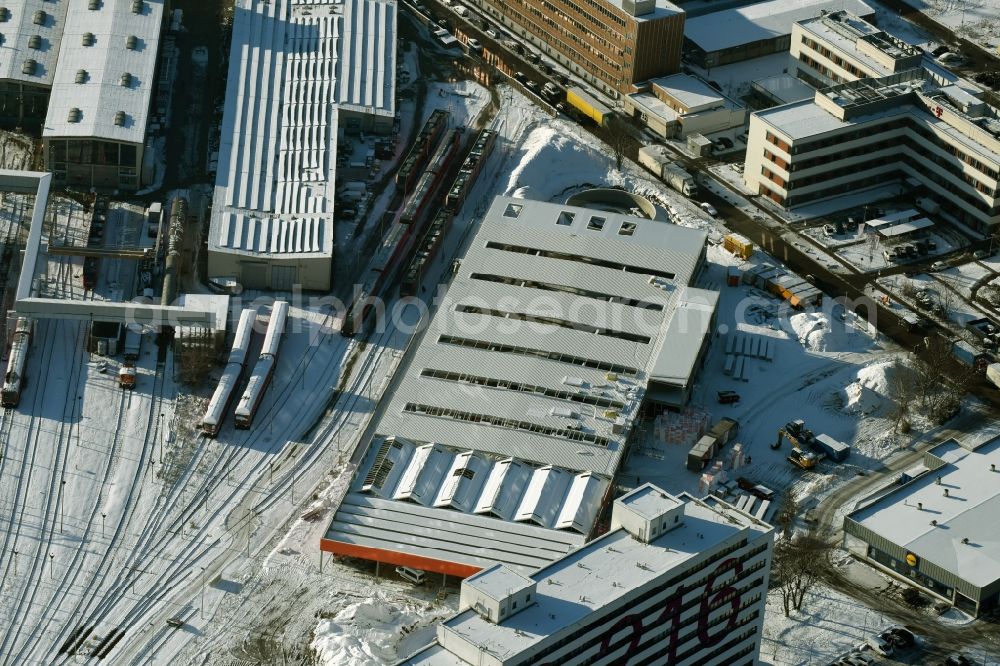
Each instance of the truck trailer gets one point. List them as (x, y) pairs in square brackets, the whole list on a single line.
[(588, 106), (656, 158)]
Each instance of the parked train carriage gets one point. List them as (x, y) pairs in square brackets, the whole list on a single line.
[(263, 369), (426, 189), (133, 344), (13, 380), (412, 165), (254, 393), (222, 398), (425, 253), (275, 328)]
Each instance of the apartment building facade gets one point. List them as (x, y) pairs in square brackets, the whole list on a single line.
[(930, 133), (678, 580), (612, 44)]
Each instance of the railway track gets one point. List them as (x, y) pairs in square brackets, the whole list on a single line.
[(167, 522), (43, 550)]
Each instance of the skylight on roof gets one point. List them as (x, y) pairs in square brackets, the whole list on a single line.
[(513, 210), (565, 218)]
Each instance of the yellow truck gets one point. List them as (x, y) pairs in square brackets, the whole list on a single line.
[(588, 106), (740, 246)]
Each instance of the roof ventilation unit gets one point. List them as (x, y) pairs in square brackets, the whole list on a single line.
[(125, 81), (40, 17), (4, 14), (35, 42), (94, 4), (132, 42), (2, 38), (87, 39), (81, 76), (29, 66), (120, 119), (74, 115), (137, 6)]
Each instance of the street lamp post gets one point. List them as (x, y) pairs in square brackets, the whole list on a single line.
[(203, 593), (62, 503), (103, 523)]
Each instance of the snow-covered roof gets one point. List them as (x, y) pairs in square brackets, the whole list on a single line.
[(547, 301), (28, 35), (691, 93), (786, 88), (294, 66), (602, 573), (764, 20), (854, 36), (105, 75), (968, 511), (661, 9)]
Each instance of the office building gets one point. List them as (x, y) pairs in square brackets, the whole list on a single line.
[(677, 581), (922, 128), (612, 44)]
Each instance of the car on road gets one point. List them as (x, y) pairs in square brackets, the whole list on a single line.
[(980, 254), (520, 77), (475, 46), (938, 266), (532, 86), (755, 489), (175, 622), (492, 32), (710, 209)]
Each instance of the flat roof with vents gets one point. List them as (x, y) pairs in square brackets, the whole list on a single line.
[(968, 511), (32, 29), (119, 78)]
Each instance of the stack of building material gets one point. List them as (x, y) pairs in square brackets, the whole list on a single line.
[(739, 347), (681, 427)]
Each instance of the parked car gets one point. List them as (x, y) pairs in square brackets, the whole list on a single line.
[(958, 660), (900, 636), (980, 254), (491, 32), (859, 659), (519, 76), (938, 266), (728, 397), (532, 86), (755, 489), (829, 230), (881, 646), (710, 209), (475, 46)]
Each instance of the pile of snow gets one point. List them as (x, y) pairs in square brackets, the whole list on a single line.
[(817, 332), (557, 161), (376, 631), (874, 388), (812, 329)]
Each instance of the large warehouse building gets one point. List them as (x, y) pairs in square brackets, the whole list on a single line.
[(920, 127), (939, 530), (648, 591), (298, 72), (102, 88), (500, 438), (32, 32), (612, 44)]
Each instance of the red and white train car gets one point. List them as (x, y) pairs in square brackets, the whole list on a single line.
[(263, 369), (215, 414), (13, 380)]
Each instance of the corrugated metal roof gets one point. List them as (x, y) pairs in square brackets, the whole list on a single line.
[(291, 64), (476, 483), (19, 28), (118, 79)]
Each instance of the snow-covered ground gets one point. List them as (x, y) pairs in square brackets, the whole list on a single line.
[(975, 20)]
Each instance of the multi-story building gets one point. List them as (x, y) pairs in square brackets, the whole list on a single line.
[(938, 530), (839, 47), (501, 438), (612, 44), (740, 33), (922, 127), (102, 88), (677, 580), (681, 105)]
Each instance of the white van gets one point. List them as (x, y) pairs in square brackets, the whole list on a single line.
[(415, 576)]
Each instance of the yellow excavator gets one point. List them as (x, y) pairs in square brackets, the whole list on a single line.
[(798, 457)]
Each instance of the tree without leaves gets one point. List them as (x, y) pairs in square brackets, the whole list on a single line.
[(796, 568), (619, 139)]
